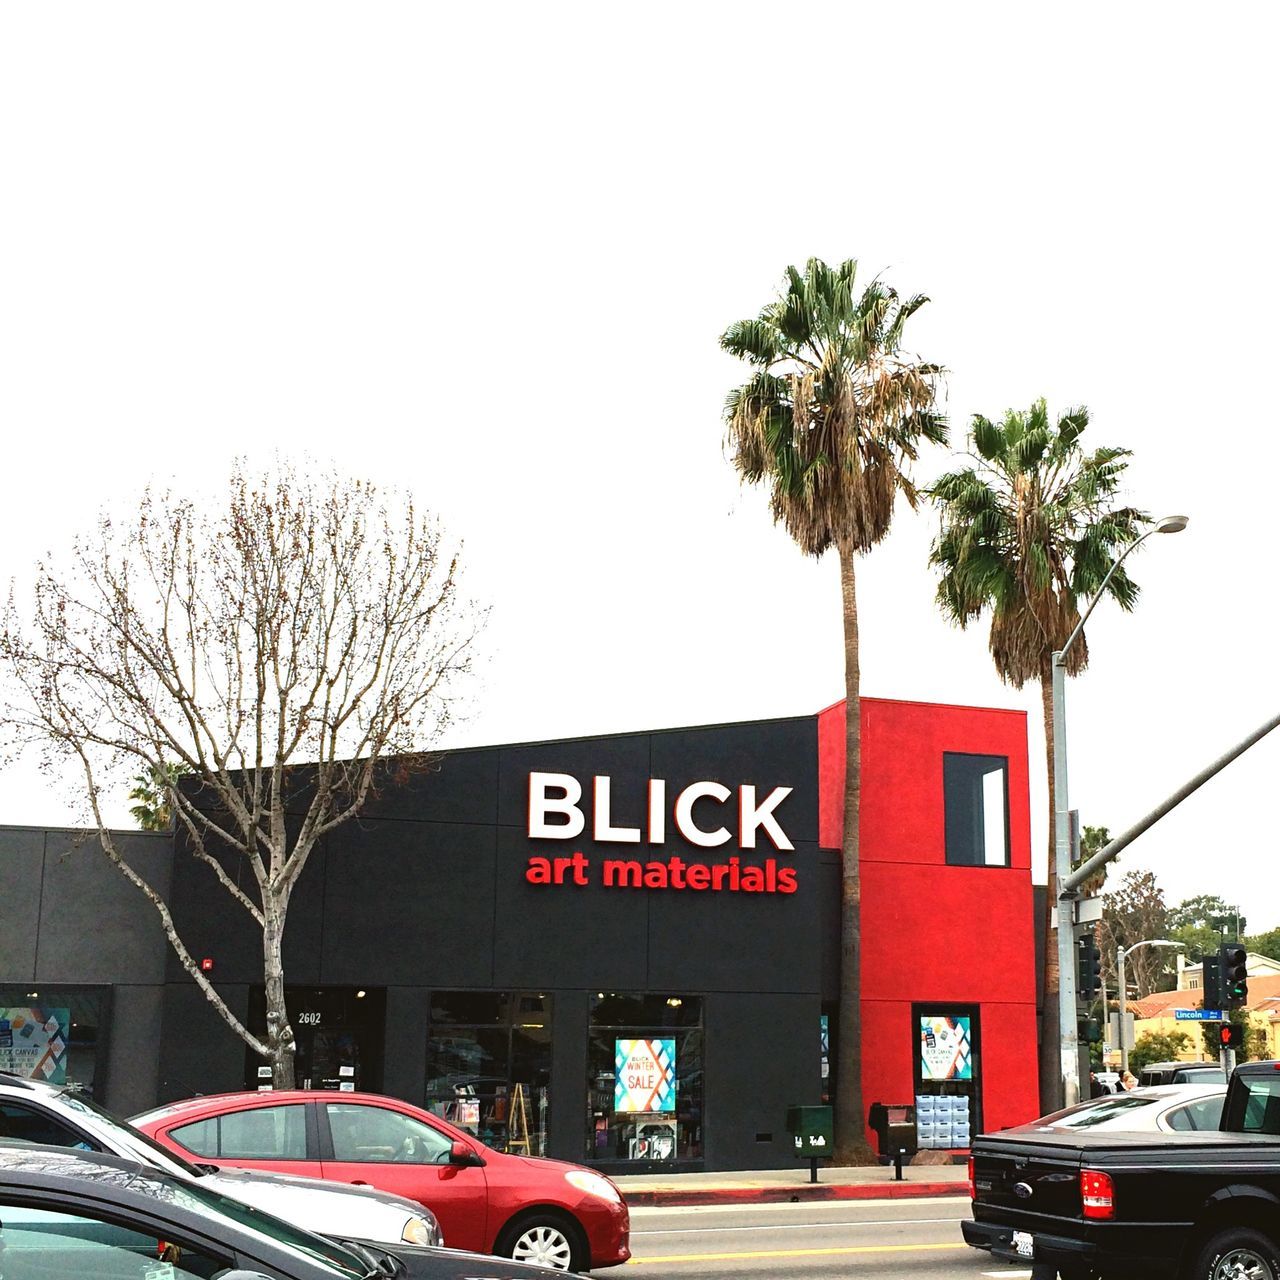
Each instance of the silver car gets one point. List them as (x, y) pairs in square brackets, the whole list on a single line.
[(34, 1112), (1165, 1108)]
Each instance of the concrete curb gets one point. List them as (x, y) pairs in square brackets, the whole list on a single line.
[(671, 1196)]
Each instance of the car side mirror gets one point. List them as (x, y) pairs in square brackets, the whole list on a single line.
[(460, 1153)]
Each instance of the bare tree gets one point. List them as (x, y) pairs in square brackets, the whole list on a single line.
[(262, 661), (1133, 912)]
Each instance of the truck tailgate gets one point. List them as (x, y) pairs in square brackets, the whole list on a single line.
[(1028, 1178)]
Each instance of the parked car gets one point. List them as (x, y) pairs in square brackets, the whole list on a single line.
[(1181, 1073), (523, 1207), (1169, 1108), (35, 1112), (73, 1215), (1085, 1203)]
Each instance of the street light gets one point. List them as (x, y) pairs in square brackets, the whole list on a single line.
[(1068, 1041), (1121, 954)]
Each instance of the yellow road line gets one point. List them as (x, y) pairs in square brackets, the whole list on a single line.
[(792, 1253)]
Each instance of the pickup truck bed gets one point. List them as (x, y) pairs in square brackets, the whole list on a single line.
[(1118, 1205)]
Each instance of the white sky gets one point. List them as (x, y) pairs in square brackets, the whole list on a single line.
[(486, 251)]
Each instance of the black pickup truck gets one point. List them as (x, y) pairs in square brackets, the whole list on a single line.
[(1088, 1205)]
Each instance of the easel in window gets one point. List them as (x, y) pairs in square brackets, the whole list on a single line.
[(518, 1122)]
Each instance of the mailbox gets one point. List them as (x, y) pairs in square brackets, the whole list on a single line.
[(812, 1132)]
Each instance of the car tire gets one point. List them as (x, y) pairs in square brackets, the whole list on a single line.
[(1238, 1251), (549, 1239)]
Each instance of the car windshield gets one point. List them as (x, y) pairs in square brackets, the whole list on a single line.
[(125, 1140), (341, 1261), (1099, 1111)]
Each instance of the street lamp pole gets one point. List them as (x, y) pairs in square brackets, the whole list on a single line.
[(1068, 1040), (1123, 994)]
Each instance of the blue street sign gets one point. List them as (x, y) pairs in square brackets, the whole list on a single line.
[(1198, 1015)]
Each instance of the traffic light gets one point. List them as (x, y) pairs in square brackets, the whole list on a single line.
[(1088, 969), (1212, 985), (1233, 974), (1230, 1036)]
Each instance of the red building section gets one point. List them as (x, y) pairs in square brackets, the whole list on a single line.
[(939, 937)]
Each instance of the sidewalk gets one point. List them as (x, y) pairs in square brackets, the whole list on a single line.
[(773, 1185)]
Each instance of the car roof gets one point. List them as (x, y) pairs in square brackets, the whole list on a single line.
[(26, 1164), (1175, 1091), (259, 1097), (1181, 1066)]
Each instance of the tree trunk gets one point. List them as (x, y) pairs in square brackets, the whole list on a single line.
[(279, 1031), (850, 1115), (1050, 1032)]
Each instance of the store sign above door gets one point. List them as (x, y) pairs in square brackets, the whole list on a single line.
[(703, 814)]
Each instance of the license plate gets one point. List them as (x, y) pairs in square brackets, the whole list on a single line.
[(1024, 1244)]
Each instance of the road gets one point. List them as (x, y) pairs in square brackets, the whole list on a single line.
[(919, 1239)]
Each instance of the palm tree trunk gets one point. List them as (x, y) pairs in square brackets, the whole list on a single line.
[(850, 1135), (1050, 1049)]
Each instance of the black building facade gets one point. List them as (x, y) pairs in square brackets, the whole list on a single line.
[(648, 991)]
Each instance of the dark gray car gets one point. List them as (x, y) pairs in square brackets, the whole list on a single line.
[(66, 1215)]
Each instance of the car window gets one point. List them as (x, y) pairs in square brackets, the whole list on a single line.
[(378, 1135), (261, 1133), (60, 1246), (19, 1123), (1203, 1113), (1262, 1105), (125, 1141)]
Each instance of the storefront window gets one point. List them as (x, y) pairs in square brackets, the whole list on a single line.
[(54, 1034), (976, 801), (948, 1072), (339, 1033), (489, 1066), (645, 1069)]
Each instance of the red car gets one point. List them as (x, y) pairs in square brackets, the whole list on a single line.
[(522, 1207)]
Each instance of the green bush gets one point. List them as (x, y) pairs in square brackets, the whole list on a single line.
[(1158, 1046)]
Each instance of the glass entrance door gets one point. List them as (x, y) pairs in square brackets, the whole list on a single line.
[(339, 1032)]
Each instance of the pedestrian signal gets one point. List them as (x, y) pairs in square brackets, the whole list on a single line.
[(1230, 1036)]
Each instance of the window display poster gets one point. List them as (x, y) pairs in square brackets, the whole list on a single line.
[(644, 1075), (33, 1043), (946, 1049), (826, 1047)]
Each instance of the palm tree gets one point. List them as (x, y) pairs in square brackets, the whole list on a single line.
[(829, 420), (1027, 530), (150, 792)]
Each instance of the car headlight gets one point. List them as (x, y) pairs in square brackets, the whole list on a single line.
[(420, 1231), (593, 1184)]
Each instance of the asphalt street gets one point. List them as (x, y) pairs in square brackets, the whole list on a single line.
[(908, 1238)]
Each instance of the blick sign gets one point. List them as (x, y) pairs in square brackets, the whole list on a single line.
[(565, 807), (703, 814)]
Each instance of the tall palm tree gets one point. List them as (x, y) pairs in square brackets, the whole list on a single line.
[(829, 420), (1027, 530)]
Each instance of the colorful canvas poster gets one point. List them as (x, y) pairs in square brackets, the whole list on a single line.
[(33, 1043), (946, 1050), (644, 1075)]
